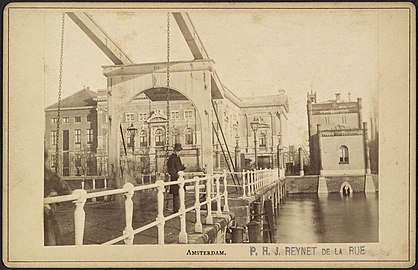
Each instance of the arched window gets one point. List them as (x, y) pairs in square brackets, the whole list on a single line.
[(143, 138), (176, 136), (188, 136), (343, 154), (159, 137), (262, 140)]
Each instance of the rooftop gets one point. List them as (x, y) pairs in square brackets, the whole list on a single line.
[(84, 97)]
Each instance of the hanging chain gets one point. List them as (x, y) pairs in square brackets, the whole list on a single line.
[(168, 81), (59, 94)]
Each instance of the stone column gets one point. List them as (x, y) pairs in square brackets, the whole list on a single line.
[(319, 133), (237, 158), (301, 173), (322, 183), (360, 110), (218, 157), (366, 149), (369, 185)]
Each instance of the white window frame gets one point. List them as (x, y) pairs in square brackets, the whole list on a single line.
[(77, 136), (188, 131), (90, 136), (142, 116), (129, 117), (53, 136), (188, 114), (173, 113)]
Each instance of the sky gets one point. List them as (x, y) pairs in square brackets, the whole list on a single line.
[(255, 53)]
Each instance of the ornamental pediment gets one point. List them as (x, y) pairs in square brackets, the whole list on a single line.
[(157, 116)]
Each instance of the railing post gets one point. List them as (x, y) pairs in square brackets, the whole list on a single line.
[(226, 205), (79, 215), (105, 183), (160, 215), (198, 225), (129, 211), (244, 194), (82, 183), (218, 195), (249, 183), (209, 218), (94, 183), (182, 209)]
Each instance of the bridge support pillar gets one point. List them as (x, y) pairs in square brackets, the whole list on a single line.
[(369, 185), (301, 172), (322, 185)]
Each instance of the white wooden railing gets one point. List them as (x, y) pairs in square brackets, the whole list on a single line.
[(252, 182), (215, 189), (255, 181)]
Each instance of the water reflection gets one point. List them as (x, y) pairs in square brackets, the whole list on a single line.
[(329, 218)]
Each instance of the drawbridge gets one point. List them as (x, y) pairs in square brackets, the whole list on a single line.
[(195, 80)]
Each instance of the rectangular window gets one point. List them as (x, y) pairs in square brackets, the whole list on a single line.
[(66, 120), (129, 117), (89, 136), (77, 134), (52, 161), (188, 114), (175, 115), (77, 119), (78, 160), (53, 120), (53, 137), (326, 119), (89, 118), (142, 116)]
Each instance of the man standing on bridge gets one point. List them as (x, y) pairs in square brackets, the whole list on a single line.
[(174, 165)]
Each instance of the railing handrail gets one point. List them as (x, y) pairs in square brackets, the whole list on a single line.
[(79, 197)]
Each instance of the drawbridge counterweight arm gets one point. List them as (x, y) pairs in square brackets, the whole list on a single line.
[(100, 38)]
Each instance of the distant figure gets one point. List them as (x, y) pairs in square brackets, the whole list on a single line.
[(53, 186), (346, 190), (174, 165)]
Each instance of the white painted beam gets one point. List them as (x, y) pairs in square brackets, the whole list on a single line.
[(190, 35), (100, 38)]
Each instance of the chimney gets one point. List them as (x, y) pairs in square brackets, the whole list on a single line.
[(337, 97), (349, 96)]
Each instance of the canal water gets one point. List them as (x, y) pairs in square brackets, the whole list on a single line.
[(329, 218)]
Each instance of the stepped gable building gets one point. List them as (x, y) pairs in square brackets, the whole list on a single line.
[(148, 148), (78, 134), (337, 136)]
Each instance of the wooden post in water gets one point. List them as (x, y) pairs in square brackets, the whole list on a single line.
[(268, 232)]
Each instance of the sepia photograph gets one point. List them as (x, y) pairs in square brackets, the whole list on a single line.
[(219, 135)]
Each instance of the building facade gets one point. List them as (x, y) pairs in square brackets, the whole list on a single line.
[(77, 134), (146, 151), (337, 136)]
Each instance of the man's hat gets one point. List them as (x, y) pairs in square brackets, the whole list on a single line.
[(177, 147)]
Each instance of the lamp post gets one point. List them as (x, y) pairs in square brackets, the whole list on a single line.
[(254, 126), (279, 148), (237, 153), (132, 131)]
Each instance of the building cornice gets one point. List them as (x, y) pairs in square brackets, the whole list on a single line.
[(71, 108)]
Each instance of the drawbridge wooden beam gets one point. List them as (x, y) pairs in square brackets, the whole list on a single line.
[(190, 35), (100, 38)]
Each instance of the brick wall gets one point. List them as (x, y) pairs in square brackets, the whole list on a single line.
[(309, 184), (304, 184), (334, 182)]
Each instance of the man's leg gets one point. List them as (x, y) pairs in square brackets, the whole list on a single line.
[(176, 203)]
